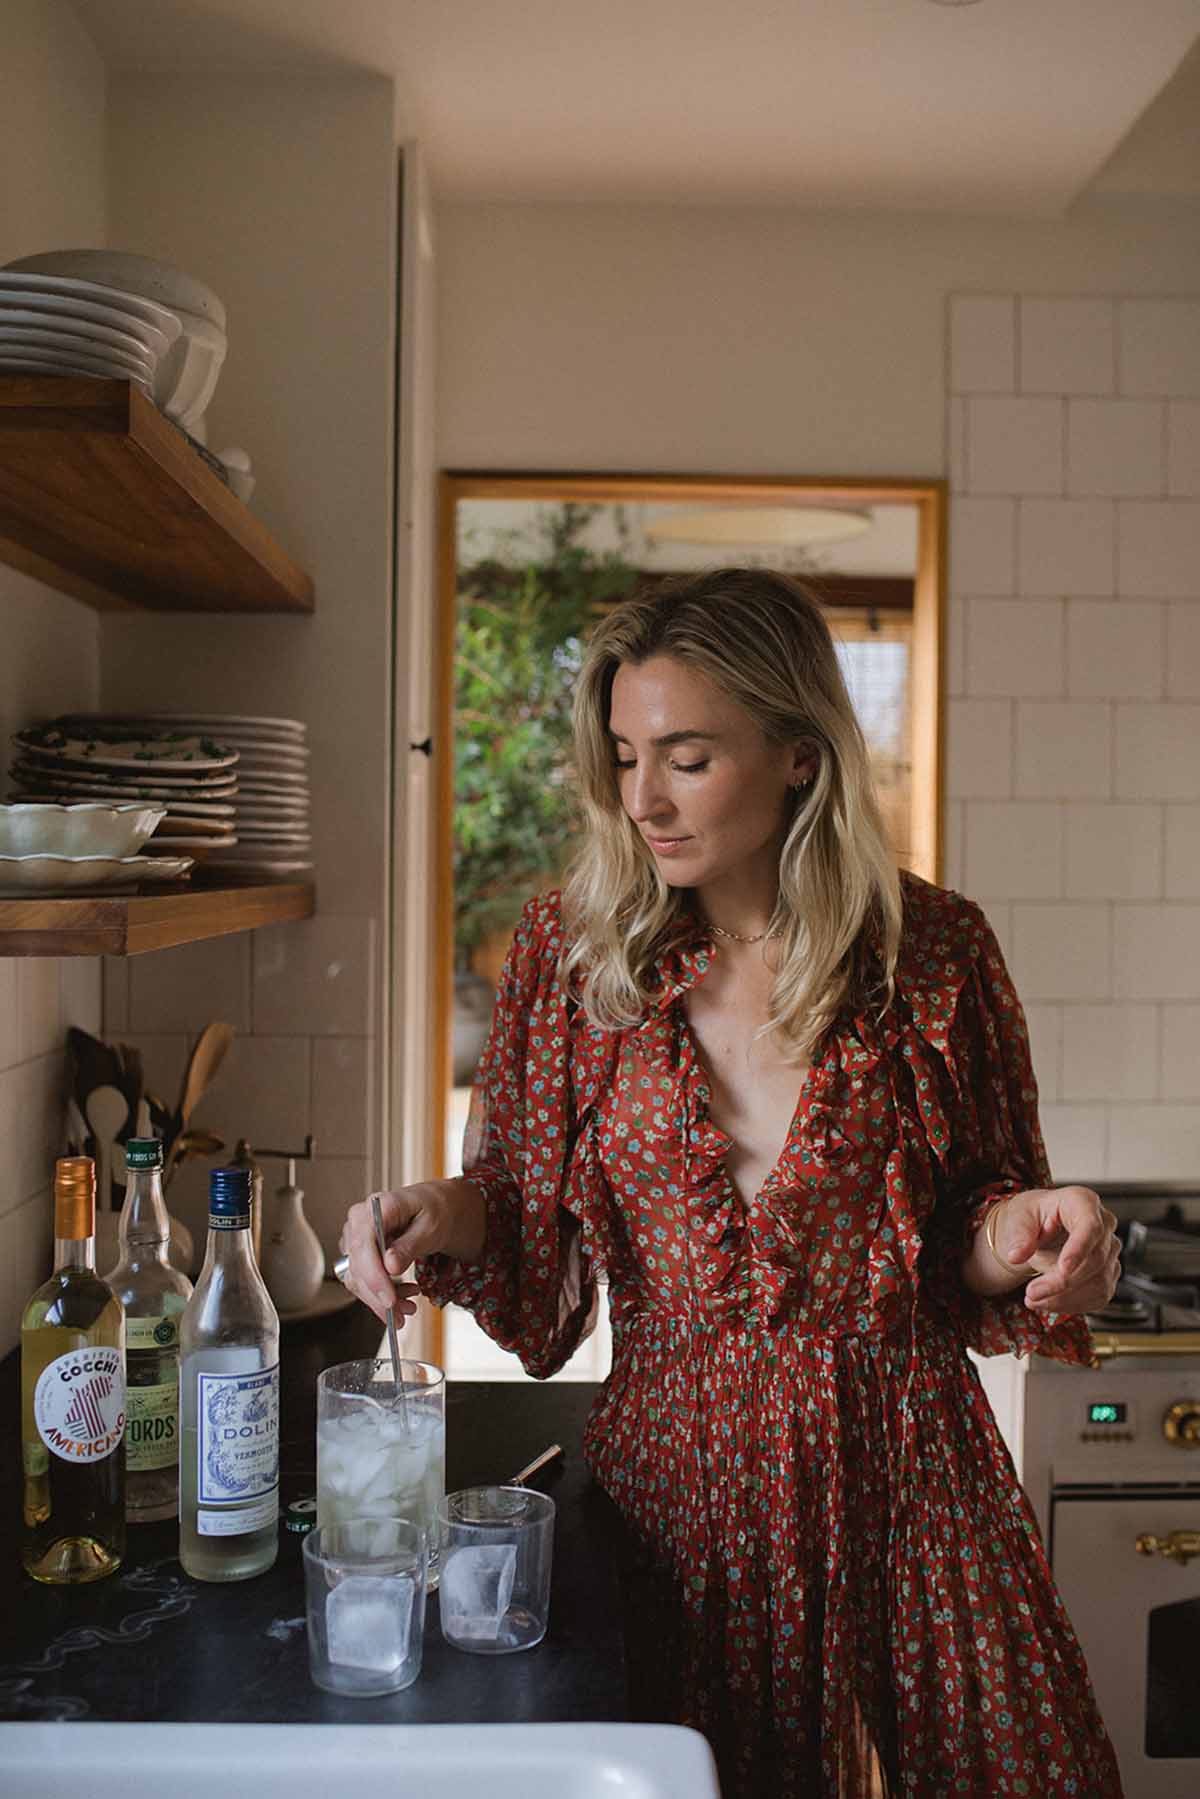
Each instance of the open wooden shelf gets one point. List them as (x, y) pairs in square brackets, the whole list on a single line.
[(101, 496), (127, 924)]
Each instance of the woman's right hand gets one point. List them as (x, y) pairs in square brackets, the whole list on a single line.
[(414, 1224)]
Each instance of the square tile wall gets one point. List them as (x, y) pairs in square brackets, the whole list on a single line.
[(302, 1000), (39, 997), (1073, 721)]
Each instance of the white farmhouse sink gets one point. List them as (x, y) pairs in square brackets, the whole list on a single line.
[(373, 1761)]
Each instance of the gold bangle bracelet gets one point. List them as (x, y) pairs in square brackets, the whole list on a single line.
[(989, 1234)]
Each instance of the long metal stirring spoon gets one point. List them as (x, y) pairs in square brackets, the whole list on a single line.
[(399, 1398)]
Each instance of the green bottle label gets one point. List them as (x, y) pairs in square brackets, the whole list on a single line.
[(151, 1333), (152, 1427)]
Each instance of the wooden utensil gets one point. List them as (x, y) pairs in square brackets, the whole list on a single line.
[(107, 1112), (207, 1057)]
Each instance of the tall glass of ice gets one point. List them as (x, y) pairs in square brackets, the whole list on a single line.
[(378, 1457)]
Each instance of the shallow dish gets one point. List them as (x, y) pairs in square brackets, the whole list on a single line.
[(172, 752), (86, 828), (93, 293), (23, 365), (79, 334), (87, 319), (66, 874), (125, 271)]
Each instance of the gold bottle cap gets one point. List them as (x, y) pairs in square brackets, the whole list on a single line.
[(75, 1197)]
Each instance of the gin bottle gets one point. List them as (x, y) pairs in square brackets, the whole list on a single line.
[(73, 1400), (229, 1400), (153, 1295)]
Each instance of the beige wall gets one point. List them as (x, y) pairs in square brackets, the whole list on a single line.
[(52, 192), (581, 338), (280, 192)]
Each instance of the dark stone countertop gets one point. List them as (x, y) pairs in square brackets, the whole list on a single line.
[(151, 1644)]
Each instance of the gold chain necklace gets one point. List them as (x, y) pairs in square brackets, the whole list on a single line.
[(733, 936)]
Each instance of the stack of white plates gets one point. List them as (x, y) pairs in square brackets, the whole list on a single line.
[(191, 776), (269, 804), (55, 325)]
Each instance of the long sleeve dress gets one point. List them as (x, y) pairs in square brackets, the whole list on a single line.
[(791, 1420)]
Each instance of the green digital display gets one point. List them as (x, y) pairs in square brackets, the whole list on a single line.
[(1106, 1411)]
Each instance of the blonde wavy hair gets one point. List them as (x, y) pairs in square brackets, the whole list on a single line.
[(761, 639)]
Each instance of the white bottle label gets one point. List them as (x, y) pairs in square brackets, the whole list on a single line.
[(79, 1403), (238, 1439), (237, 1522)]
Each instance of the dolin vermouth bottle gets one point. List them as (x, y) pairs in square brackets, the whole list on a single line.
[(229, 1400), (153, 1295), (73, 1400)]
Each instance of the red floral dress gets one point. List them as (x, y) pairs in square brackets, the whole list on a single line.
[(792, 1421)]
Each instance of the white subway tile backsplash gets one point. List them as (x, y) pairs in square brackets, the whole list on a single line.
[(1147, 1143), (1063, 749), (116, 995), (39, 1005), (1157, 751), (1015, 647), (82, 995), (956, 423), (331, 1186), (1183, 449), (1159, 347), (10, 1017), (1013, 850), (1045, 1044), (1115, 649), (165, 1057), (262, 1093), (32, 1126), (1154, 952), (953, 845), (315, 977), (1180, 1052), (186, 988), (1158, 549), (982, 343), (998, 913), (1066, 547), (26, 1259), (1110, 1052), (341, 1078), (1183, 650), (1067, 346), (982, 545), (1116, 447), (1061, 952), (979, 745), (1114, 852), (1015, 444), (1183, 852), (1076, 1140)]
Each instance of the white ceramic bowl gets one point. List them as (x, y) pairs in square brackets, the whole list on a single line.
[(63, 874), (36, 828)]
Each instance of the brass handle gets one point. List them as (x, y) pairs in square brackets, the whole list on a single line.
[(1181, 1424), (1179, 1546)]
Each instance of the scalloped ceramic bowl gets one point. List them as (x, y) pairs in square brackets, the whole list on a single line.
[(64, 874), (37, 828)]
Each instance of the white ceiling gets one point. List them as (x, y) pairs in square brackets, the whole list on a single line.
[(1003, 106)]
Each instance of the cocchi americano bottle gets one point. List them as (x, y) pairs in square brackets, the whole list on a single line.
[(73, 1400), (229, 1400)]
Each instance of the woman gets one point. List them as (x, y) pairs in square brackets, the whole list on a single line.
[(781, 1097)]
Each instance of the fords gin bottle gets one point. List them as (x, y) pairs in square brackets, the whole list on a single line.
[(73, 1400), (229, 1400), (153, 1295)]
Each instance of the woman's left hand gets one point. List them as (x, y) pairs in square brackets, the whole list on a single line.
[(1069, 1237)]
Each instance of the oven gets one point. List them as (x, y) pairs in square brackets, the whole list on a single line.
[(1110, 1458)]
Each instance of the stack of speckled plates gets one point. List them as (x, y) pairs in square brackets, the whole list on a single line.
[(268, 801), (191, 774)]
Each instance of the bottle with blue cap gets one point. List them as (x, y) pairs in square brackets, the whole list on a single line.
[(229, 1400)]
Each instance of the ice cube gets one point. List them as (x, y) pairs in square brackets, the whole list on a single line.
[(367, 1622), (476, 1587)]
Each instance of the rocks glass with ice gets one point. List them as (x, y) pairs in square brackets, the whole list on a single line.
[(377, 1458), (497, 1547), (365, 1603)]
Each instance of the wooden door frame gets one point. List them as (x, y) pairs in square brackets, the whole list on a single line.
[(927, 666)]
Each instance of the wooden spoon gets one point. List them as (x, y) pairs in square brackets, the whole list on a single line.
[(207, 1057)]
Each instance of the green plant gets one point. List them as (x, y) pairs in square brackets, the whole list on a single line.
[(524, 612)]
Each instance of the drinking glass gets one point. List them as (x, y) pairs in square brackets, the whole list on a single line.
[(497, 1546), (364, 1587), (377, 1458)]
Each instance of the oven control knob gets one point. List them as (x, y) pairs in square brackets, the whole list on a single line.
[(1181, 1423)]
